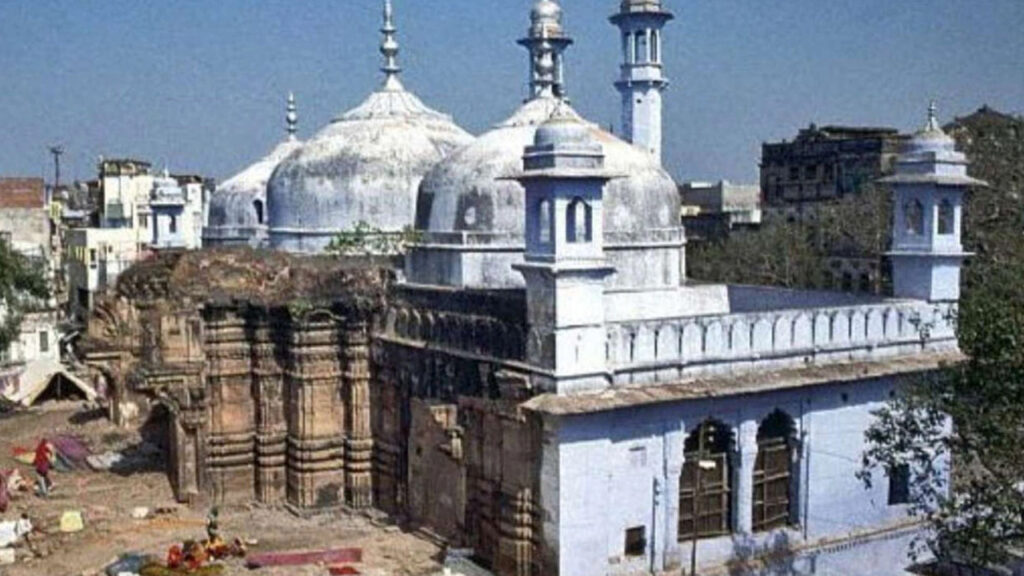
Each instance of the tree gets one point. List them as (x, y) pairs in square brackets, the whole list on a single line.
[(22, 285), (796, 254), (366, 240), (970, 415), (779, 254)]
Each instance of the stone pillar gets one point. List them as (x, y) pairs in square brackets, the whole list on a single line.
[(316, 416), (271, 426), (515, 534), (230, 448), (359, 435), (743, 484), (386, 443)]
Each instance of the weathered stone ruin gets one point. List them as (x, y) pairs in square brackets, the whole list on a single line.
[(317, 382)]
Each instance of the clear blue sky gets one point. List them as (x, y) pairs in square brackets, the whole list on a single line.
[(200, 84)]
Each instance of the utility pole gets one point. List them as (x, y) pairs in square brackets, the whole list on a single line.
[(57, 150)]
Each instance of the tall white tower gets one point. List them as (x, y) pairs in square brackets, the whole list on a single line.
[(642, 78), (565, 267), (928, 192)]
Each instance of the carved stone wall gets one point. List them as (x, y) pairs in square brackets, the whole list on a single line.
[(405, 402)]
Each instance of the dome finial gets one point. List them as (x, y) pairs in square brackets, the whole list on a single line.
[(291, 118), (389, 49), (933, 118)]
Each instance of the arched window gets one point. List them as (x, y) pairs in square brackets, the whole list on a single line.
[(577, 221), (173, 225), (640, 47), (655, 46), (946, 217), (847, 285), (258, 207), (544, 221), (705, 487), (774, 472), (913, 214)]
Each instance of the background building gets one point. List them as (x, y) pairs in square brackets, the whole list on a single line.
[(824, 164), (33, 359), (710, 210), (95, 257)]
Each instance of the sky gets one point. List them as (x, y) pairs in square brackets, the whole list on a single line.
[(200, 85)]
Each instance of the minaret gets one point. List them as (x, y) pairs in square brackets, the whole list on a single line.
[(389, 49), (928, 190), (642, 78), (546, 41), (565, 269), (291, 118)]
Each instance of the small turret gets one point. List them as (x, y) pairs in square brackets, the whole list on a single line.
[(928, 191), (546, 41), (565, 268)]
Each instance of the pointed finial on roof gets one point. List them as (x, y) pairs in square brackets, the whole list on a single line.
[(389, 49), (933, 118), (292, 117)]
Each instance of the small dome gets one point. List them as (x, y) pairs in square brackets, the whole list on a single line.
[(237, 210), (365, 166), (546, 10), (561, 129), (546, 19), (931, 138)]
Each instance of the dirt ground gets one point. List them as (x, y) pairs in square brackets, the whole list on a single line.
[(106, 501)]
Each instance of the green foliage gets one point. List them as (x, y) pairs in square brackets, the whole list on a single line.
[(970, 414), (796, 254), (366, 240), (779, 254), (22, 285)]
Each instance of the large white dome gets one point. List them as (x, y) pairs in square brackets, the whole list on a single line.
[(472, 189), (366, 166), (472, 194)]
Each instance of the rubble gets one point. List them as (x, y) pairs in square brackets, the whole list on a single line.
[(114, 528)]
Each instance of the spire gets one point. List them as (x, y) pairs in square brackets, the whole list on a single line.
[(291, 118), (933, 118), (546, 40), (389, 49)]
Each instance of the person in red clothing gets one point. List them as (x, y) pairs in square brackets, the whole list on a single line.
[(42, 463)]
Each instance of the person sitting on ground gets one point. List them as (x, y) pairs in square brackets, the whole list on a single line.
[(42, 463), (213, 525)]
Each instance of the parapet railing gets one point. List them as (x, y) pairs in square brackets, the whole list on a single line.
[(642, 351)]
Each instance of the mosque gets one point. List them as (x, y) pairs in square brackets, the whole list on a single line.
[(540, 381)]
